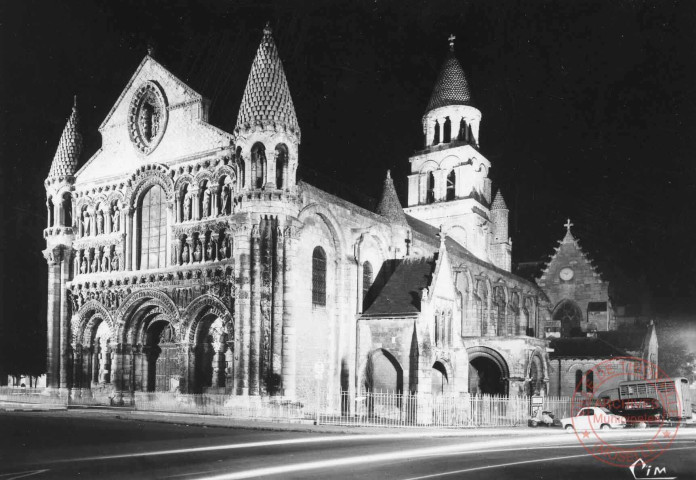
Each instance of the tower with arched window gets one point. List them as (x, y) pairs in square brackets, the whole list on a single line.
[(449, 185), (267, 131), (59, 234)]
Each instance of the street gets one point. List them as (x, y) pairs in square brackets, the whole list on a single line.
[(44, 445)]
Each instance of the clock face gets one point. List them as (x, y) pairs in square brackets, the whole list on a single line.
[(566, 273)]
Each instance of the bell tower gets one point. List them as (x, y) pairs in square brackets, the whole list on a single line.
[(449, 186)]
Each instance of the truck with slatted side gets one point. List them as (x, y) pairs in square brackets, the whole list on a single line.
[(672, 393)]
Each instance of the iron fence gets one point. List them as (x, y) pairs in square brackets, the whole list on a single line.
[(363, 409)]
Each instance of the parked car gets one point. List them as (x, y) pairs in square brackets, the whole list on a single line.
[(640, 412), (593, 418)]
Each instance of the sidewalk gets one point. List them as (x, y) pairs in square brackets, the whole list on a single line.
[(29, 407)]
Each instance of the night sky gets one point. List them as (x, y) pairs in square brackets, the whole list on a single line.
[(588, 107)]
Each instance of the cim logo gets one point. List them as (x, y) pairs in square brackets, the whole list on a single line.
[(641, 470)]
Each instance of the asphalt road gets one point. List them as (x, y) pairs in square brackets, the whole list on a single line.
[(43, 445)]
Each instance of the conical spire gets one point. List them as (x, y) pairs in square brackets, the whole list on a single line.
[(452, 87), (499, 202), (69, 148), (266, 101), (389, 205)]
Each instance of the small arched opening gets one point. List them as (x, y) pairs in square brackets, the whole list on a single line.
[(463, 129), (451, 185), (383, 373), (210, 355), (258, 165), (439, 381), (429, 187), (51, 212), (569, 314), (66, 210), (447, 131), (436, 136), (281, 173)]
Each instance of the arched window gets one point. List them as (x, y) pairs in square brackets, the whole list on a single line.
[(447, 131), (241, 168), (589, 382), (569, 314), (367, 281), (578, 380), (430, 187), (436, 137), (152, 228), (281, 165), (258, 165), (319, 277), (461, 136), (49, 205), (451, 183), (66, 208)]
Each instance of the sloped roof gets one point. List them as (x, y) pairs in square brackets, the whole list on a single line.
[(629, 339), (389, 205), (69, 148), (266, 100), (452, 87), (583, 347), (401, 294)]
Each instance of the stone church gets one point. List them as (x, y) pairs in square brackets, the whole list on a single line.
[(185, 258)]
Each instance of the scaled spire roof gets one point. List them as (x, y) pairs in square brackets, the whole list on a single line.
[(389, 205), (499, 202), (69, 148), (266, 101), (452, 87)]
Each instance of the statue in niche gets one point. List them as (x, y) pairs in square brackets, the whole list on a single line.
[(206, 203), (209, 251), (100, 223), (197, 253), (85, 224), (223, 250), (95, 264), (105, 262), (185, 253), (187, 207), (73, 302), (116, 220), (114, 262), (81, 299), (83, 267)]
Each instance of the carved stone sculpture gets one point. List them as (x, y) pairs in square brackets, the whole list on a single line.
[(185, 254), (84, 267), (197, 253), (100, 223)]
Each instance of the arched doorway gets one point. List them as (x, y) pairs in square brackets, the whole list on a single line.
[(488, 372), (439, 379), (100, 365), (383, 373), (163, 364)]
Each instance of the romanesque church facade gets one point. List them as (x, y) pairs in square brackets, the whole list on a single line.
[(182, 257)]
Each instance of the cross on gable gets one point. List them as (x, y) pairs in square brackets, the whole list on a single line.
[(568, 225), (451, 40)]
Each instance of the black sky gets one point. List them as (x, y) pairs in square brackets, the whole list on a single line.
[(588, 108)]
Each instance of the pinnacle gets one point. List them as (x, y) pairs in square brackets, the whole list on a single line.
[(69, 147), (389, 205), (499, 202), (267, 101)]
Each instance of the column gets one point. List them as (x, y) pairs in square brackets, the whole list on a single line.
[(255, 311), (241, 252), (64, 320), (170, 246), (52, 355), (277, 317), (230, 378), (177, 210), (77, 367), (128, 241), (289, 351), (214, 200)]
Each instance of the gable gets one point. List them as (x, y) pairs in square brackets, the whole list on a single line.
[(570, 274), (181, 126)]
